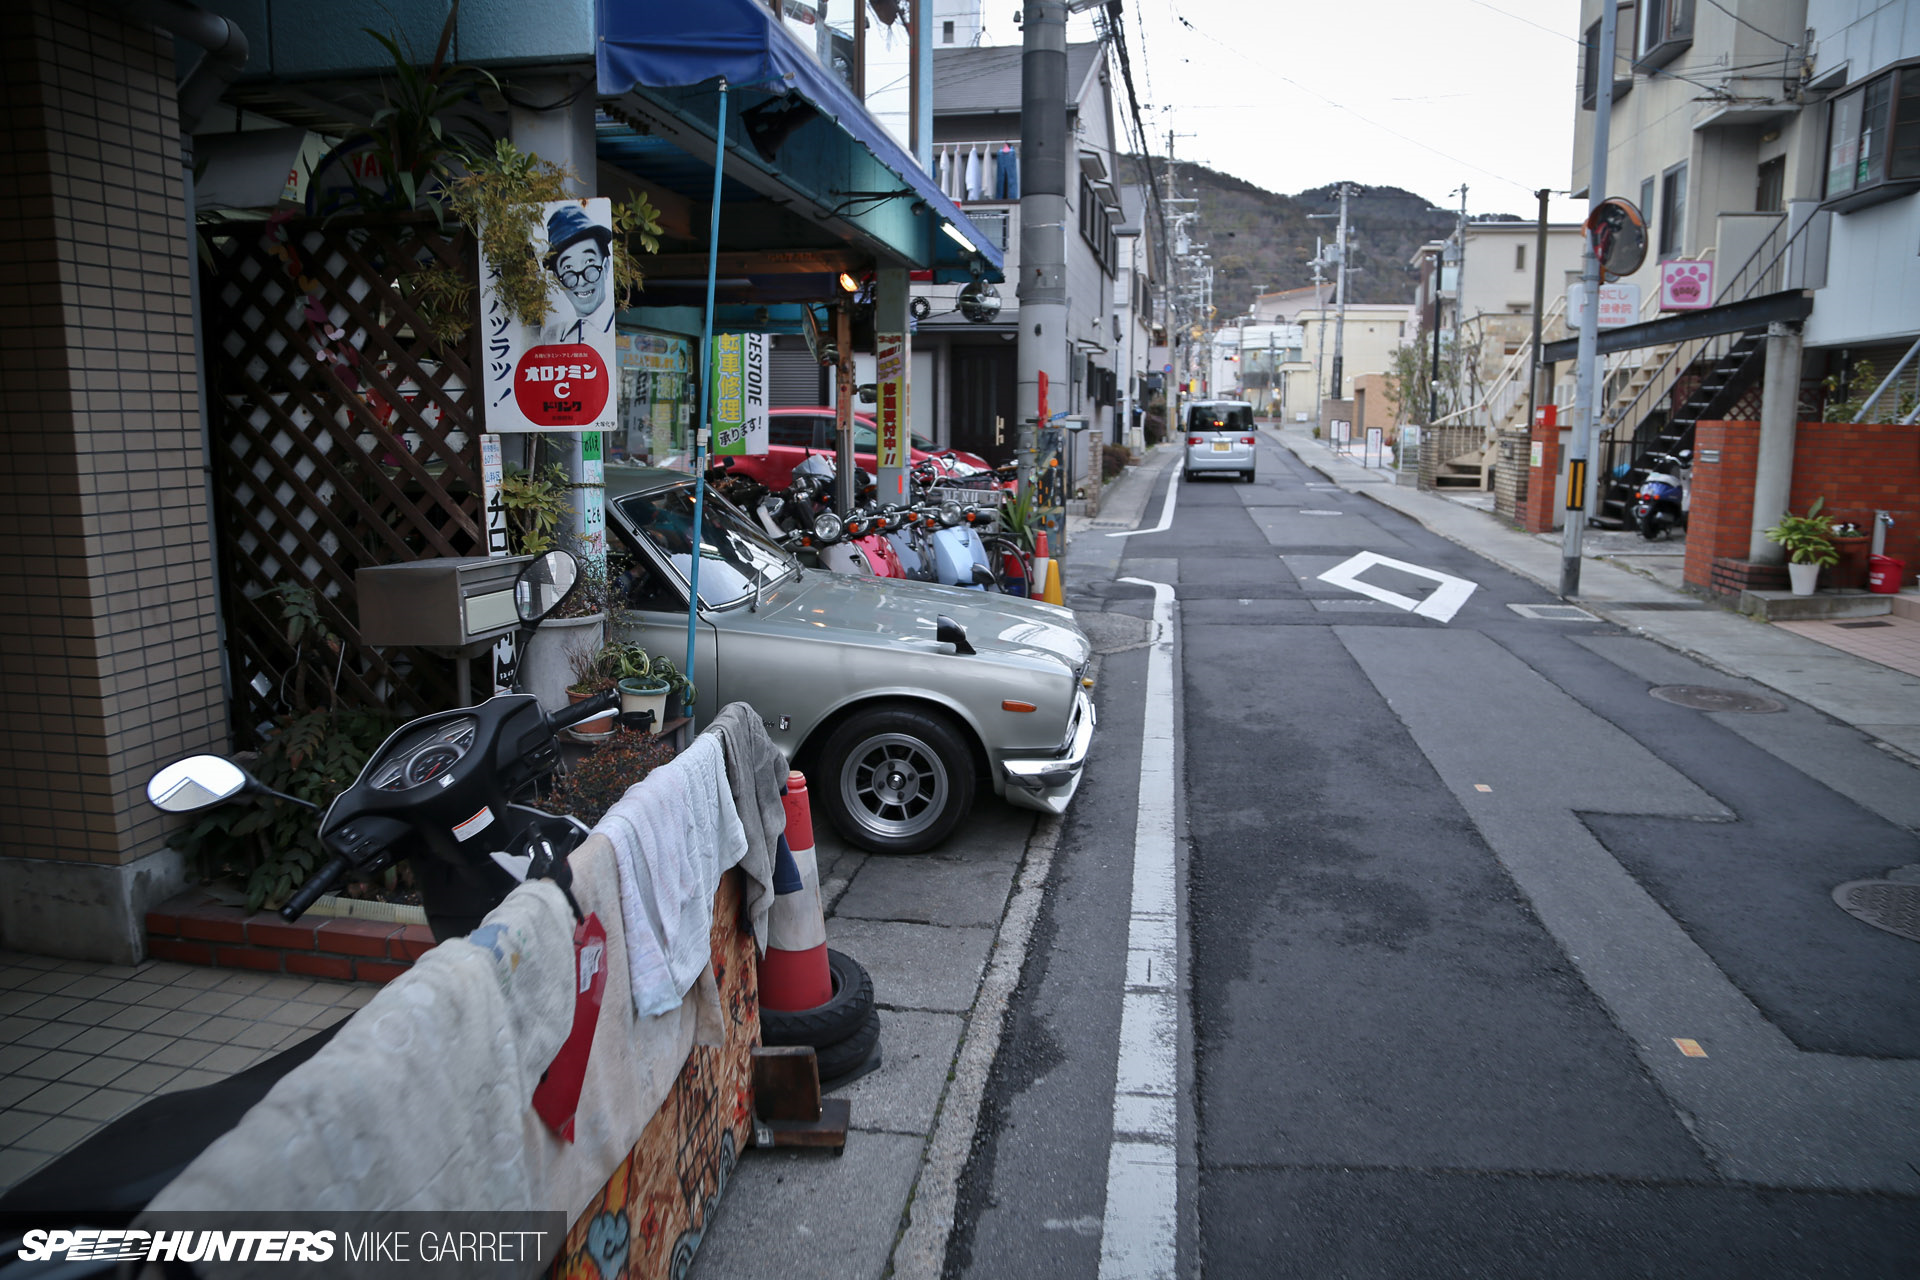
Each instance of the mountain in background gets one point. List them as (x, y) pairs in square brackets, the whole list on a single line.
[(1261, 240)]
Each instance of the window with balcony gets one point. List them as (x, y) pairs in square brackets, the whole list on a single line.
[(1873, 140), (1663, 31), (1096, 224), (1590, 70)]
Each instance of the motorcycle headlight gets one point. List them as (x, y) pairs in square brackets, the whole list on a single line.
[(950, 513), (827, 527)]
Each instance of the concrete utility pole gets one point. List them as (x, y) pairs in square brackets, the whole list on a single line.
[(1459, 283), (1340, 291), (1539, 304), (1042, 290), (1320, 336), (1580, 448)]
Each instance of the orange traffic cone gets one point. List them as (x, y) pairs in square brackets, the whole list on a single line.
[(794, 973), (1040, 551), (1047, 583)]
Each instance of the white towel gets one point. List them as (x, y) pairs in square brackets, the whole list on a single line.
[(420, 1100), (673, 834), (974, 190)]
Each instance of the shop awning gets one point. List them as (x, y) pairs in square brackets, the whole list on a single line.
[(648, 47)]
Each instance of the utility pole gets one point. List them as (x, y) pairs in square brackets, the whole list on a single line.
[(1460, 278), (1539, 304), (1433, 373), (1580, 448), (1340, 290), (1042, 290), (1320, 324)]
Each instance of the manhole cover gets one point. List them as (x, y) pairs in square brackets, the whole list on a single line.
[(1701, 698), (1309, 511), (1892, 905), (1855, 626), (1553, 612)]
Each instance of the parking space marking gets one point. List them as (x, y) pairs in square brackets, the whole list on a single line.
[(1448, 595), (1140, 1228), (1166, 508)]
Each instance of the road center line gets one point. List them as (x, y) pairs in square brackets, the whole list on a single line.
[(1166, 511), (1140, 1230)]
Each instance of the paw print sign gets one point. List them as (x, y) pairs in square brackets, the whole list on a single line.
[(1686, 284)]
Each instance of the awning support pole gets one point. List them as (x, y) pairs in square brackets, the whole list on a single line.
[(706, 390)]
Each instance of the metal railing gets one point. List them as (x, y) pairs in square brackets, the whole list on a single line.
[(1510, 384)]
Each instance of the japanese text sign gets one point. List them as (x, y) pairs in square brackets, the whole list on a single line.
[(557, 376), (890, 372), (740, 404)]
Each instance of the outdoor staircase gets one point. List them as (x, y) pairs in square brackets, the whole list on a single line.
[(1723, 371)]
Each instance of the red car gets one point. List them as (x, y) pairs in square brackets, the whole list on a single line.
[(795, 433)]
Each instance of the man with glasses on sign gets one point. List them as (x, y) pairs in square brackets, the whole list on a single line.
[(579, 254)]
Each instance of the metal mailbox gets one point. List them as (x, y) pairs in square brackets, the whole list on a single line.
[(448, 603)]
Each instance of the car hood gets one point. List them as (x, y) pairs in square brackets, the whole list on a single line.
[(895, 610)]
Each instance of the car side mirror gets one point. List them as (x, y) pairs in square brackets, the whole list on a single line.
[(947, 631)]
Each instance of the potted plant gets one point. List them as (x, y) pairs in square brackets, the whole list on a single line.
[(641, 687), (1808, 541), (593, 674), (591, 784), (680, 690)]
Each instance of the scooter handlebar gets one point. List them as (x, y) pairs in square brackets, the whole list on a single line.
[(581, 712), (316, 884)]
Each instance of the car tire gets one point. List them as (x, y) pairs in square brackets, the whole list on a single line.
[(842, 1058), (925, 791), (844, 1013)]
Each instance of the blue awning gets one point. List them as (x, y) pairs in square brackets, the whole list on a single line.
[(651, 45)]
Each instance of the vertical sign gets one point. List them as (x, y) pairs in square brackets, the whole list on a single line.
[(593, 495), (557, 376), (890, 372), (740, 394), (492, 472), (1375, 451)]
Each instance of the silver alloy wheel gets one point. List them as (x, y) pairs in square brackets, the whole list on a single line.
[(894, 784)]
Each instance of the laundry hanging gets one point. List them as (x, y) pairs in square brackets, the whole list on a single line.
[(1006, 173), (975, 191)]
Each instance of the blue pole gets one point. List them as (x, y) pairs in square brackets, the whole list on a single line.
[(706, 380)]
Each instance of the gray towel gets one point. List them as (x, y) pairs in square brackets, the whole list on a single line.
[(756, 770)]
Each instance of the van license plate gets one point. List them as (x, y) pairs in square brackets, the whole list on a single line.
[(1221, 446)]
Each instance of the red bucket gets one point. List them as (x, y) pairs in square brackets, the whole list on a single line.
[(1884, 574)]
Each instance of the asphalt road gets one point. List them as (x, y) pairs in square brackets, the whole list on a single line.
[(1494, 964)]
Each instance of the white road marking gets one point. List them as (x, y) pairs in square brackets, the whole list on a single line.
[(1139, 1230), (1166, 508), (1446, 600)]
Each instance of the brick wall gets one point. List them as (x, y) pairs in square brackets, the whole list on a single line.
[(1857, 469), (1512, 476), (1538, 515), (108, 661)]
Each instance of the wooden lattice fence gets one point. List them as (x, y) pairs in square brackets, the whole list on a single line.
[(342, 436)]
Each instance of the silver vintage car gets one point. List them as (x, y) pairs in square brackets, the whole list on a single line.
[(897, 698)]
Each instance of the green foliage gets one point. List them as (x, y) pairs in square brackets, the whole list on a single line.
[(419, 137), (535, 500), (590, 786), (1807, 539), (269, 846), (663, 668), (597, 670), (1847, 394), (1114, 458), (1017, 518)]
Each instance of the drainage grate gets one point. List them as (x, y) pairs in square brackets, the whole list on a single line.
[(1702, 698), (1553, 612), (1891, 905), (1309, 511), (1855, 626)]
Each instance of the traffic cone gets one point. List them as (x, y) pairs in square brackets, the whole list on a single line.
[(1046, 582), (794, 973), (1040, 549)]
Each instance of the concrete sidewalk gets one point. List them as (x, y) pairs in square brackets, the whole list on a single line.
[(1879, 700)]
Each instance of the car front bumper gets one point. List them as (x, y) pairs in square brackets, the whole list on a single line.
[(1047, 783)]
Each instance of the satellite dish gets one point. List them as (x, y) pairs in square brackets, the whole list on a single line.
[(979, 302), (1619, 237)]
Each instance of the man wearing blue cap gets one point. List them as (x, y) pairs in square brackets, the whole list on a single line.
[(579, 254)]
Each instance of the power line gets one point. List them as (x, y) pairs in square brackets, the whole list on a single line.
[(1788, 44)]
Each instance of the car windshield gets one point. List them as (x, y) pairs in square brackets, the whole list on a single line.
[(735, 557)]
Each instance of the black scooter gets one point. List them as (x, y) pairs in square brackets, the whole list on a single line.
[(439, 793)]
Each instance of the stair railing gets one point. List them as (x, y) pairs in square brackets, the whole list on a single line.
[(1509, 386)]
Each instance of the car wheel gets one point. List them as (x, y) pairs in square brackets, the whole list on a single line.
[(898, 780)]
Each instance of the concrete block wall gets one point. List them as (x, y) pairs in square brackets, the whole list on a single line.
[(109, 662), (1512, 476)]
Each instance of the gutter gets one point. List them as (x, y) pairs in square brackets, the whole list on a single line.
[(225, 45)]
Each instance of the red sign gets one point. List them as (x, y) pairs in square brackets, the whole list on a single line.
[(561, 386)]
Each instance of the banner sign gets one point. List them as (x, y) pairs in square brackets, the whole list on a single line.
[(740, 394), (1686, 284), (890, 372), (558, 376), (592, 496)]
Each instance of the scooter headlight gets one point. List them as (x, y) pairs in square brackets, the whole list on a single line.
[(827, 527), (950, 514)]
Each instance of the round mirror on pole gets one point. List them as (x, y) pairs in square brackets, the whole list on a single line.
[(1619, 237)]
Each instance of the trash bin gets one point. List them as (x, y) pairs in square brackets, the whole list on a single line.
[(1885, 574)]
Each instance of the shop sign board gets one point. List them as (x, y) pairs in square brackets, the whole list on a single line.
[(1686, 284), (890, 373), (557, 376), (740, 394), (1619, 304)]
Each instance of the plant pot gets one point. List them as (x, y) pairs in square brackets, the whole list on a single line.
[(546, 670), (598, 727), (1804, 577), (645, 695)]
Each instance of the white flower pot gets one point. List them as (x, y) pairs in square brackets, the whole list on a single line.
[(1804, 578), (547, 672)]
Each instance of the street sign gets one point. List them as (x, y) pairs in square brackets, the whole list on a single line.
[(1619, 304)]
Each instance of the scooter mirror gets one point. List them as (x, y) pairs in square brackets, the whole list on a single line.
[(198, 782), (544, 584)]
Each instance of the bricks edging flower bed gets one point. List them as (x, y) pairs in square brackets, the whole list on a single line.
[(196, 928)]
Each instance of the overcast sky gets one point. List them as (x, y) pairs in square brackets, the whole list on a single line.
[(1419, 94)]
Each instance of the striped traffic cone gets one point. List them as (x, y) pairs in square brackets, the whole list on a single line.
[(794, 973), (1046, 581)]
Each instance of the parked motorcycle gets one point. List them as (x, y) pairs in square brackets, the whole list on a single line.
[(1664, 496), (441, 793)]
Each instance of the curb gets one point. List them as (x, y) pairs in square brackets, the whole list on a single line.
[(195, 928)]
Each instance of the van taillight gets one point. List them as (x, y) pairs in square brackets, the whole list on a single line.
[(1195, 440), (1248, 440)]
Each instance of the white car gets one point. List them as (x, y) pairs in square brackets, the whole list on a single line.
[(1220, 437)]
